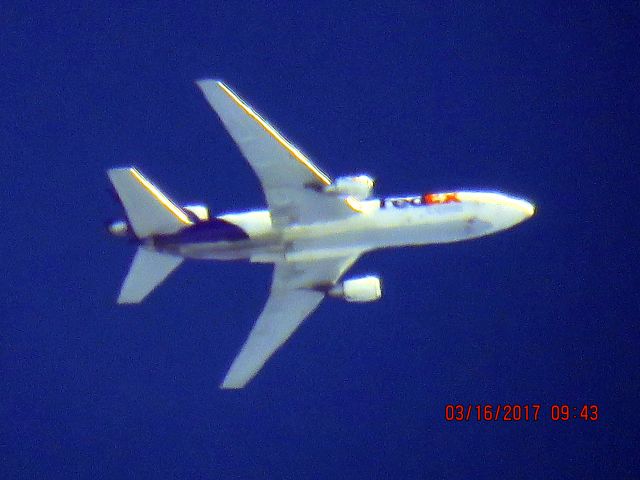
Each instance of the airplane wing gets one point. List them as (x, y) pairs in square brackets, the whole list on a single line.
[(291, 300), (292, 184)]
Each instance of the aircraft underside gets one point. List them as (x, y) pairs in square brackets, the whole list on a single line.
[(314, 229), (336, 239)]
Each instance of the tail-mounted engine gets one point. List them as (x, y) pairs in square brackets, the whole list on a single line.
[(363, 289), (196, 213), (119, 228), (359, 187)]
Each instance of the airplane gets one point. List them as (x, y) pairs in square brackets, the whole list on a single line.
[(314, 229)]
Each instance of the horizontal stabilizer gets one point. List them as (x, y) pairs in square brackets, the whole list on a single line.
[(150, 212), (148, 270)]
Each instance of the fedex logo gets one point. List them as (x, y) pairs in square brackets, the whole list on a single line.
[(426, 199)]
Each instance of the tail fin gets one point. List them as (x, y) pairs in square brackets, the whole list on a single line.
[(150, 211), (148, 269)]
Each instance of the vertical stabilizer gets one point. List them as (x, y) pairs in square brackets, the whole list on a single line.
[(148, 270), (150, 212)]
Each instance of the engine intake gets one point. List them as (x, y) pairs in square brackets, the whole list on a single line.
[(363, 289)]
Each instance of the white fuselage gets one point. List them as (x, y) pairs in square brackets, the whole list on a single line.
[(380, 223)]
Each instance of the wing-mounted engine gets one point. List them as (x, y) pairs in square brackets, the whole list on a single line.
[(363, 289), (200, 212), (360, 186)]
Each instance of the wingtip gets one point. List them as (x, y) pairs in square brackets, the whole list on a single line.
[(117, 170), (230, 386), (233, 381), (125, 300), (203, 83)]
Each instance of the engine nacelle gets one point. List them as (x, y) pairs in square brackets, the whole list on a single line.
[(363, 289), (200, 211), (359, 187)]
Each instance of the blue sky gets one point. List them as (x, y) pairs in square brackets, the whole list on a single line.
[(539, 101)]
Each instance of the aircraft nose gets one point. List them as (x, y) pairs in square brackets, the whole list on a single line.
[(526, 209), (510, 211), (499, 210), (515, 211)]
